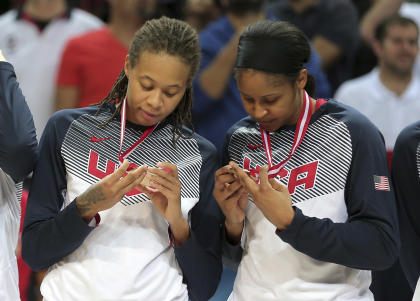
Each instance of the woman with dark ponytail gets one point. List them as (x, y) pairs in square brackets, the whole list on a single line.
[(305, 189), (121, 205)]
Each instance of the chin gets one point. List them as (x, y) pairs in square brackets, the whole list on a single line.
[(269, 127), (148, 122)]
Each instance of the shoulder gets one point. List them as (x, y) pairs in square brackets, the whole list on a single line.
[(206, 148), (6, 67), (90, 35), (409, 136), (61, 120), (246, 122), (85, 39), (216, 26), (357, 124), (356, 88), (220, 31), (238, 131), (8, 17), (83, 18)]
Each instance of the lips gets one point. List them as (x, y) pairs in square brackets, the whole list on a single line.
[(148, 116), (265, 123)]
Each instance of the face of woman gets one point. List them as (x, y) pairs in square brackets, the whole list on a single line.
[(156, 85), (272, 105)]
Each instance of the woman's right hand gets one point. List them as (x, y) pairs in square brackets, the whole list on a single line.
[(108, 191), (233, 200)]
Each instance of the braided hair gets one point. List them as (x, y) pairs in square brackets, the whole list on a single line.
[(172, 37)]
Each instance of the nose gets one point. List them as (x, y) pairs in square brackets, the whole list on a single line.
[(259, 111), (155, 99)]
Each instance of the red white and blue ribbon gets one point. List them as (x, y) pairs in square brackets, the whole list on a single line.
[(301, 127), (147, 132)]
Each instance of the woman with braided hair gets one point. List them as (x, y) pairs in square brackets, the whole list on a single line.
[(121, 206), (305, 190)]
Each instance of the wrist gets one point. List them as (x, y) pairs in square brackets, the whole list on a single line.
[(180, 230), (234, 231), (287, 221), (87, 214)]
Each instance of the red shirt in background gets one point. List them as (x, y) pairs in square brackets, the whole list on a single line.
[(92, 62)]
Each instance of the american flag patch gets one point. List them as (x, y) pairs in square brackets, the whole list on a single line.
[(381, 183)]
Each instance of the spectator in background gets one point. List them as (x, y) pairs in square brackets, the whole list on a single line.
[(389, 97), (380, 10), (332, 27), (406, 180), (217, 103), (91, 62), (32, 38), (199, 13), (370, 13), (18, 147)]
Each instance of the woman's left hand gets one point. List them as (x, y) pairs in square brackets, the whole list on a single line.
[(166, 197), (270, 196)]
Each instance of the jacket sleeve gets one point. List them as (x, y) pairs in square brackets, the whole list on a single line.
[(200, 257), (18, 144), (51, 232), (406, 180), (232, 254), (369, 239)]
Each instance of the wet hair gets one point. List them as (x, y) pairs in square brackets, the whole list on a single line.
[(382, 28), (276, 48), (168, 36)]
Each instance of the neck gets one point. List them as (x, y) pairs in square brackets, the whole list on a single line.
[(396, 83), (44, 10), (299, 6), (124, 28), (300, 104)]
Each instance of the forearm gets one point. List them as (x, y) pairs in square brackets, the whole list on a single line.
[(233, 232), (231, 250), (201, 266), (180, 231), (362, 244), (380, 10), (328, 51), (215, 77), (46, 241)]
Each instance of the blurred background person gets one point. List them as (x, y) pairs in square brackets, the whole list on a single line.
[(199, 13), (86, 71), (389, 97), (389, 90), (18, 154), (332, 27), (217, 103), (32, 38)]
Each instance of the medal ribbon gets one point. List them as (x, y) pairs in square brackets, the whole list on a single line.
[(301, 127), (147, 132)]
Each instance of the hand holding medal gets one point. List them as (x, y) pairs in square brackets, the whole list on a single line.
[(270, 196), (232, 199)]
